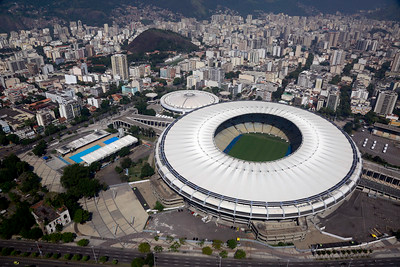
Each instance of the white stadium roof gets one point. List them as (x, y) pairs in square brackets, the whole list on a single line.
[(187, 100), (109, 149), (322, 171), (83, 141)]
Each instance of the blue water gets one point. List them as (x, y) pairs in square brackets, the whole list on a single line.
[(77, 157), (63, 160), (111, 140), (231, 144)]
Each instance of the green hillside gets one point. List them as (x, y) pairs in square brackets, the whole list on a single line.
[(161, 40)]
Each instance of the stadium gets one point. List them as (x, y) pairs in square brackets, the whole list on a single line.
[(252, 160), (187, 100)]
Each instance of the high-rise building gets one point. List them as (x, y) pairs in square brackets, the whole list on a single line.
[(333, 100), (338, 57), (395, 66), (70, 109), (385, 103), (119, 65)]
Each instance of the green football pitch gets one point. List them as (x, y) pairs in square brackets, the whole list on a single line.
[(259, 147)]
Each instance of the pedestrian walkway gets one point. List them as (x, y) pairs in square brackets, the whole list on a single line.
[(116, 213)]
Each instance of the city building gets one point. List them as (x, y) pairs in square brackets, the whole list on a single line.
[(119, 66), (386, 102), (48, 217)]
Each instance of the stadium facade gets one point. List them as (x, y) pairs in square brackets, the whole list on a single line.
[(322, 169)]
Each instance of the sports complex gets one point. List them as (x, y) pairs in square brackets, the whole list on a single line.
[(252, 160), (94, 147)]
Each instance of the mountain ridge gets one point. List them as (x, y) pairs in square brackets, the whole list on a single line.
[(17, 14)]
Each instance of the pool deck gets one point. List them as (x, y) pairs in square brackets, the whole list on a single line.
[(99, 142)]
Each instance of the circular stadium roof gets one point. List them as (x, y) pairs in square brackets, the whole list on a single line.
[(321, 172), (187, 100)]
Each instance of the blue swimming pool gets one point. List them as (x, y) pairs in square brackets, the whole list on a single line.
[(77, 157), (112, 139)]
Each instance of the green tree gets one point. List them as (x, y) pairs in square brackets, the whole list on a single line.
[(144, 247), (126, 163), (137, 262), (40, 148), (68, 237), (240, 254), (124, 152), (118, 169), (81, 216), (158, 248), (217, 244), (103, 259), (77, 257), (83, 242), (207, 250), (159, 206), (146, 170), (232, 243), (223, 254)]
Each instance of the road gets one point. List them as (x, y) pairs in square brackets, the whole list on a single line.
[(163, 259)]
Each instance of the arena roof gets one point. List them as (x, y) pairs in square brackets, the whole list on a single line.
[(109, 149), (187, 100), (83, 141), (323, 170)]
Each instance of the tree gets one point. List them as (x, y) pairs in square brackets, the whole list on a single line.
[(240, 254), (4, 203), (124, 152), (81, 216), (348, 127), (40, 148), (76, 179), (144, 247), (217, 244), (232, 243), (159, 206), (85, 112), (103, 259), (126, 163), (83, 242), (146, 170), (77, 257), (207, 250), (68, 237), (134, 130), (94, 167), (137, 262), (223, 254), (158, 248), (118, 169)]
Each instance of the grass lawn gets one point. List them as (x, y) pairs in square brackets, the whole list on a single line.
[(259, 147)]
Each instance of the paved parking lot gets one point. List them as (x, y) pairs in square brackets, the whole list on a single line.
[(184, 224), (392, 154), (361, 214)]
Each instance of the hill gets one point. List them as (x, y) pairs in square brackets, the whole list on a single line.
[(22, 14), (161, 40)]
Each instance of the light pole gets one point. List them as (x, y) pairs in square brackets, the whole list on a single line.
[(220, 260), (94, 254), (40, 252)]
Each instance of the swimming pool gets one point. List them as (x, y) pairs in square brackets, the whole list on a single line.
[(77, 157), (111, 140)]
